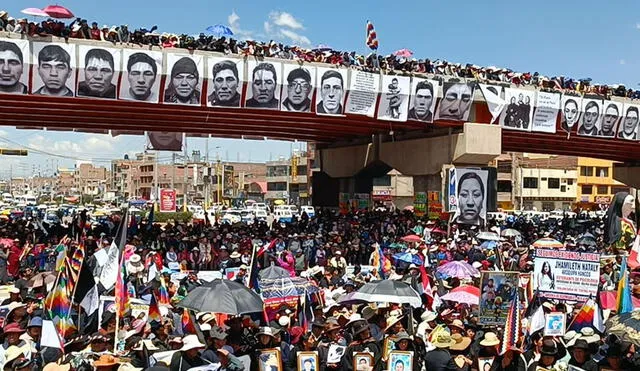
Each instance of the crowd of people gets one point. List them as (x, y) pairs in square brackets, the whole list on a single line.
[(335, 253), (82, 29)]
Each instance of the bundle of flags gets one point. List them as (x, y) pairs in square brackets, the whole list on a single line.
[(512, 327), (164, 292), (372, 37), (122, 290), (58, 302)]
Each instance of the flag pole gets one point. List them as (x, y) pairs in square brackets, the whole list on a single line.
[(253, 256), (120, 258)]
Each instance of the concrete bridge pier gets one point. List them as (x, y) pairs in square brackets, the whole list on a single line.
[(627, 173)]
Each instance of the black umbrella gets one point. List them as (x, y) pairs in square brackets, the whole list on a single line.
[(587, 240), (274, 272), (388, 291), (223, 296)]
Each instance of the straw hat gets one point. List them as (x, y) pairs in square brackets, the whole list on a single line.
[(191, 342), (461, 342), (392, 320), (443, 340), (458, 324), (589, 335), (12, 353), (105, 360), (490, 339)]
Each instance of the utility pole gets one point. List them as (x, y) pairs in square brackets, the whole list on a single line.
[(156, 197)]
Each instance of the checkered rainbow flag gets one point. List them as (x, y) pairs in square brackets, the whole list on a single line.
[(512, 329), (372, 37)]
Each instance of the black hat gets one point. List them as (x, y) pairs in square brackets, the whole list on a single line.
[(549, 348), (318, 322), (580, 344), (299, 73), (359, 327)]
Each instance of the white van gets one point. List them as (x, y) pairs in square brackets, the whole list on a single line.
[(283, 215), (7, 198), (310, 210)]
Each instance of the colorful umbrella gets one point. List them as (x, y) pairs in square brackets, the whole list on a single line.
[(388, 291), (548, 243), (34, 12), (464, 294), (626, 326), (412, 238), (510, 232), (57, 11), (403, 53), (458, 269), (488, 236), (220, 30), (408, 258)]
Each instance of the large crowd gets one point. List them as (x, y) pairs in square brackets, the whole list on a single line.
[(334, 253), (81, 29)]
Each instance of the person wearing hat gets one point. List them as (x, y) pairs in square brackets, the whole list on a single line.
[(405, 342), (266, 338), (581, 356), (189, 355), (106, 362), (138, 352), (300, 342), (394, 322), (13, 354), (217, 340), (549, 355), (159, 335), (460, 351), (317, 330), (23, 364), (616, 357), (241, 277), (456, 327), (98, 343), (490, 345), (362, 342), (183, 83), (330, 337), (34, 331), (440, 358), (14, 296)]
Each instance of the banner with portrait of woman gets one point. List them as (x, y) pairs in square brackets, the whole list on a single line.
[(423, 99), (612, 111), (394, 100), (570, 110), (99, 72), (299, 83), (589, 124), (53, 69), (469, 203), (456, 102), (628, 127), (183, 84), (15, 80), (331, 84), (518, 113), (141, 76), (225, 76)]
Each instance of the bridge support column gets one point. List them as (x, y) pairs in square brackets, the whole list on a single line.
[(628, 174)]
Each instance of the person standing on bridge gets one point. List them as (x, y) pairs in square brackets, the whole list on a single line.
[(226, 85), (54, 69), (298, 91), (629, 128), (331, 93), (183, 85), (11, 68), (98, 74), (264, 82)]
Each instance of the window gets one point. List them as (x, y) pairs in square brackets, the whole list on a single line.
[(570, 182), (529, 182), (615, 190), (553, 183), (602, 172), (603, 190), (277, 186), (563, 188), (587, 189), (383, 181), (504, 186), (586, 171), (548, 206)]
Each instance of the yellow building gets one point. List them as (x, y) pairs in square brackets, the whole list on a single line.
[(596, 185)]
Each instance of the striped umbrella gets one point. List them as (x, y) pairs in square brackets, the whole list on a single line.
[(548, 243)]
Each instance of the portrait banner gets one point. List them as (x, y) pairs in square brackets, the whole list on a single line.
[(555, 324), (493, 96), (298, 87), (628, 127), (456, 102), (566, 275), (394, 100), (15, 80), (363, 93), (423, 99), (308, 361), (589, 124), (546, 113), (400, 360), (99, 72), (471, 191), (265, 84), (485, 363), (498, 290), (164, 141), (225, 76), (53, 69), (612, 112), (452, 187), (142, 75), (185, 73), (168, 202), (363, 361), (519, 110), (571, 107), (331, 84)]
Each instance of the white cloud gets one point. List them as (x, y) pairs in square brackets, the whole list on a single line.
[(87, 146), (233, 19), (638, 26), (234, 25), (295, 37), (622, 61), (267, 27), (284, 19)]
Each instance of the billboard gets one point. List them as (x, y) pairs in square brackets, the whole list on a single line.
[(167, 200), (566, 275)]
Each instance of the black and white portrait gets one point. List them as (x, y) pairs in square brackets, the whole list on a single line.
[(424, 96), (394, 101), (331, 91), (53, 69), (14, 77), (471, 196), (164, 141), (610, 119), (571, 107), (99, 72), (628, 128), (265, 83), (518, 113), (184, 79), (141, 80), (456, 102), (589, 124), (299, 84), (226, 77)]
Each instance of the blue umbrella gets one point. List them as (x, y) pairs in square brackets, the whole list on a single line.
[(220, 30), (488, 245), (408, 258)]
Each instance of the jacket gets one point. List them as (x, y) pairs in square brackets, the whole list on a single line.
[(439, 360)]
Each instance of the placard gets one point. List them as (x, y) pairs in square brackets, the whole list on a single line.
[(298, 87), (167, 200), (470, 197), (335, 353), (142, 75), (420, 203), (611, 114), (225, 80), (363, 93), (265, 84), (99, 72), (570, 113), (53, 69), (424, 96), (589, 124), (519, 110), (19, 57), (546, 113), (497, 290), (628, 127), (566, 275), (185, 73), (394, 100), (555, 324), (456, 102), (331, 86)]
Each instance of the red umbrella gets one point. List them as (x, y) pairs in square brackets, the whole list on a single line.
[(438, 230), (406, 53), (57, 11), (412, 238), (464, 294)]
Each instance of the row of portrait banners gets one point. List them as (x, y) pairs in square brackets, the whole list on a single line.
[(216, 80)]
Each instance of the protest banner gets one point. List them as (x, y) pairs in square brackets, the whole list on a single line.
[(555, 324), (566, 275), (273, 305), (498, 290), (420, 203)]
